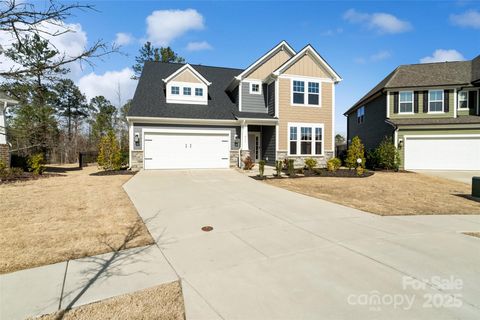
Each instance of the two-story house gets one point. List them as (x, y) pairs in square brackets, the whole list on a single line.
[(193, 116), (431, 111)]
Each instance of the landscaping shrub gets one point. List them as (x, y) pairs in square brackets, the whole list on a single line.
[(291, 167), (109, 154), (261, 167), (334, 164), (279, 167), (310, 163), (386, 155), (36, 163), (248, 163), (372, 159), (355, 151)]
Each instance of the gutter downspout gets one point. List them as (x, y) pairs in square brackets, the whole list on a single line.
[(395, 132)]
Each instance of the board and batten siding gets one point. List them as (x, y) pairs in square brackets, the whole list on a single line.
[(289, 113), (271, 98), (307, 67), (272, 64), (186, 76), (420, 113), (252, 102), (268, 144)]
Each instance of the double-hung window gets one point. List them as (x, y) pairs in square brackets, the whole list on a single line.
[(298, 92), (463, 100), (199, 92), (435, 101), (255, 88), (305, 139), (187, 91), (406, 102), (313, 93), (360, 115), (175, 90)]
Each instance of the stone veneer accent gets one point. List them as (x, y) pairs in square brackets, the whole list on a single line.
[(137, 160), (300, 160), (234, 158), (5, 154), (243, 155)]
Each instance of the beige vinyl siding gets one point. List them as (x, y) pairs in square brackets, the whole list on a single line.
[(420, 113), (414, 132), (186, 76), (272, 64), (289, 113), (307, 67)]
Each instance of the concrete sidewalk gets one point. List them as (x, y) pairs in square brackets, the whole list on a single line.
[(275, 254), (47, 289)]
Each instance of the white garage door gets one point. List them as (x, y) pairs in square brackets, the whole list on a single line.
[(443, 153), (187, 150)]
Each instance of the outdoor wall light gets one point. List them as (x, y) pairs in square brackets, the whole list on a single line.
[(400, 143), (235, 139), (136, 139)]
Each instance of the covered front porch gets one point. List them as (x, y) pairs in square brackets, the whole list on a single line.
[(258, 141)]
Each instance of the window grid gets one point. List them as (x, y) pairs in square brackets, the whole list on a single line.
[(406, 102), (310, 140), (175, 90), (435, 101), (187, 91), (463, 100), (198, 92)]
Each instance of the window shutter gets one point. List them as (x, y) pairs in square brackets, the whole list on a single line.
[(415, 101), (446, 100), (425, 101), (395, 102), (472, 103)]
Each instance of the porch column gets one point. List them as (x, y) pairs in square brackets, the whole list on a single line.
[(244, 136)]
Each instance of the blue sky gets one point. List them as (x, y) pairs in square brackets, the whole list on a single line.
[(362, 41)]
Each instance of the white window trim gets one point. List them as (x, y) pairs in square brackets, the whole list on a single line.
[(413, 103), (299, 125), (305, 92), (195, 92), (186, 99), (250, 85), (443, 102), (468, 100), (175, 94)]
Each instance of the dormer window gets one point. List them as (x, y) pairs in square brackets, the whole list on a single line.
[(175, 90), (186, 86), (199, 92), (187, 91), (255, 88)]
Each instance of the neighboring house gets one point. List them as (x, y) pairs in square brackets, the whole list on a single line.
[(5, 102), (431, 111), (195, 116)]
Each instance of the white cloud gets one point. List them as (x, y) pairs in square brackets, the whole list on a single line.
[(199, 46), (331, 32), (468, 19), (442, 55), (380, 21), (123, 39), (163, 26), (108, 85), (381, 55)]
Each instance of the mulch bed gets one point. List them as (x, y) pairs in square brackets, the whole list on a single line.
[(114, 173), (340, 173), (27, 176)]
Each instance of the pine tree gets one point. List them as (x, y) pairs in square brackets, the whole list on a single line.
[(150, 53)]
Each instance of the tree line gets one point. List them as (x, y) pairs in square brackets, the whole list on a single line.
[(53, 116)]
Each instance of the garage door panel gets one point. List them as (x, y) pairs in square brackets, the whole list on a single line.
[(443, 153), (187, 150)]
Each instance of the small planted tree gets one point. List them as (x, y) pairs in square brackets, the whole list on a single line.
[(109, 153), (387, 155), (310, 163), (334, 164), (278, 168), (36, 163), (291, 167), (261, 168), (355, 154)]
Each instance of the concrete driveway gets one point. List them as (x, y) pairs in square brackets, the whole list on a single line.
[(275, 254), (460, 176)]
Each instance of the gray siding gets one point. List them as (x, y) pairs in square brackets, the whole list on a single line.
[(373, 129), (271, 98), (268, 144), (252, 102), (141, 127)]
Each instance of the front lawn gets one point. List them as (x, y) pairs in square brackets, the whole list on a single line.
[(388, 193), (163, 302), (66, 217)]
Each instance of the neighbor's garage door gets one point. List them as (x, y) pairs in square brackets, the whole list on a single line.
[(443, 153), (177, 150)]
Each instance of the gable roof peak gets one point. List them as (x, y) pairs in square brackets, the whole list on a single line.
[(187, 66)]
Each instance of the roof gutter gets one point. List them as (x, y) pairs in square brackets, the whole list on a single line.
[(163, 120)]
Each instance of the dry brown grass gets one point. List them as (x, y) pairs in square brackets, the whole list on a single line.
[(473, 234), (67, 217), (163, 302), (389, 193)]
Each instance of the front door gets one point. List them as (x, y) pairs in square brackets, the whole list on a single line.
[(254, 145)]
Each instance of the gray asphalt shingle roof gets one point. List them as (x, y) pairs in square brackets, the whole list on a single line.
[(425, 75), (150, 99), (436, 121)]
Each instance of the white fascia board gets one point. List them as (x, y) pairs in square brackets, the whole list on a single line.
[(311, 50), (189, 67), (265, 56), (161, 120), (254, 121)]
